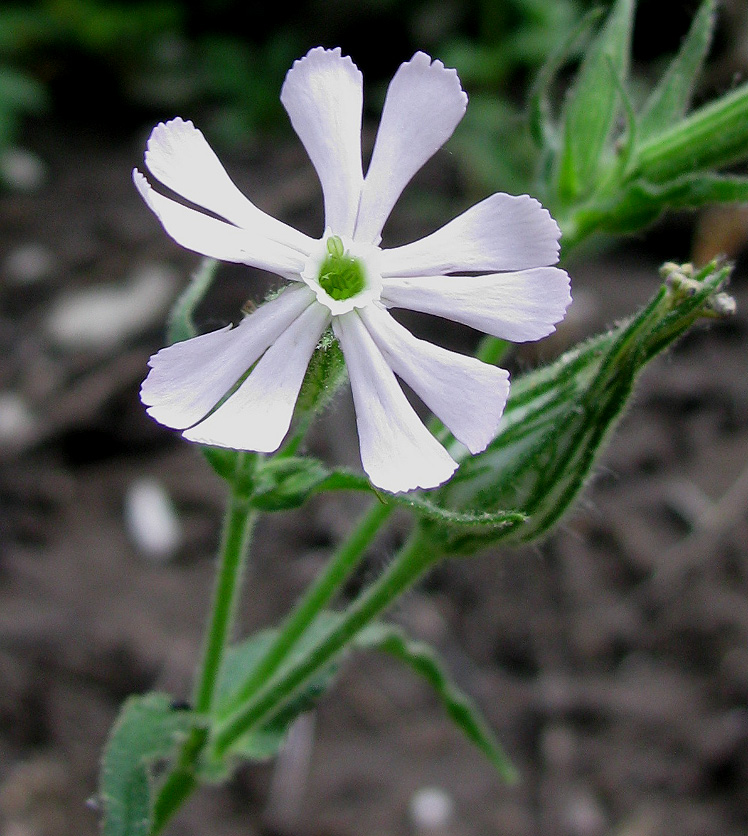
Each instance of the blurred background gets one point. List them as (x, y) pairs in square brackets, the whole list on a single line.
[(612, 659)]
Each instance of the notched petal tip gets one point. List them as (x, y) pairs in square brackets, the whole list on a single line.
[(426, 63), (551, 229), (169, 143), (319, 57), (175, 128)]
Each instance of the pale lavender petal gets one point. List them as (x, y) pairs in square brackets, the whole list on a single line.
[(257, 416), (189, 378), (517, 307), (397, 451), (217, 239), (502, 232), (179, 156), (323, 95), (468, 396), (424, 104)]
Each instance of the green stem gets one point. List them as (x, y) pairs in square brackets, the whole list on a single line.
[(316, 598), (413, 560), (237, 531), (234, 550)]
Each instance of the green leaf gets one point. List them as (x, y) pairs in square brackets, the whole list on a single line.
[(670, 99), (712, 137), (592, 105), (283, 483), (558, 418), (421, 506), (287, 482), (539, 107), (424, 661), (241, 660), (640, 203), (146, 732), (237, 467)]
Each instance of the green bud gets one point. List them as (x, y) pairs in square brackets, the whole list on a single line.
[(558, 418)]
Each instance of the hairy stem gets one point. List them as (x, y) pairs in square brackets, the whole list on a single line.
[(337, 571), (406, 568)]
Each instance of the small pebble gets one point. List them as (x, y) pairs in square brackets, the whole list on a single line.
[(151, 520), (22, 170), (17, 424), (28, 264), (584, 815), (431, 809), (104, 317)]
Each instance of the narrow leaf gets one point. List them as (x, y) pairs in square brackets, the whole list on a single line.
[(285, 483), (540, 112), (670, 99), (712, 137), (423, 660), (241, 660), (592, 105), (147, 731), (641, 203)]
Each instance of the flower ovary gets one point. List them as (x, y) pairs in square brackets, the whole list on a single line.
[(341, 276)]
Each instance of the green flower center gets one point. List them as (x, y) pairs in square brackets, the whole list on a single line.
[(341, 276)]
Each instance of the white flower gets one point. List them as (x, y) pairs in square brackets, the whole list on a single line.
[(507, 244)]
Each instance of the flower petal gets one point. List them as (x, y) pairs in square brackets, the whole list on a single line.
[(257, 416), (424, 104), (217, 239), (179, 156), (468, 396), (397, 451), (323, 95), (518, 306), (189, 378), (502, 232)]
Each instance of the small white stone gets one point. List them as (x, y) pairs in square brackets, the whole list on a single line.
[(22, 170), (431, 809), (28, 264), (17, 424), (151, 520), (104, 317)]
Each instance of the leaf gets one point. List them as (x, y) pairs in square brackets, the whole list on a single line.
[(287, 482), (592, 104), (540, 114), (640, 203), (423, 660), (241, 661), (146, 731), (284, 483), (670, 99), (711, 137)]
